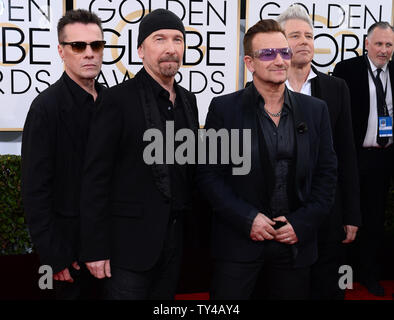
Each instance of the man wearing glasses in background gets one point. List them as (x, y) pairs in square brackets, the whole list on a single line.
[(53, 150), (265, 222)]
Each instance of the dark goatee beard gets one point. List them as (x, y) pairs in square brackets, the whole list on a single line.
[(169, 70)]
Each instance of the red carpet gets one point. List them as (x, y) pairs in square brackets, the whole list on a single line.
[(193, 296), (359, 292)]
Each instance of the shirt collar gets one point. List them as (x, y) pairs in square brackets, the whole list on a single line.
[(80, 95), (158, 90), (311, 75), (374, 68), (257, 98), (287, 101)]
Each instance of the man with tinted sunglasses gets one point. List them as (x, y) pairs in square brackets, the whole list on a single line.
[(53, 151), (345, 217), (265, 222), (133, 211)]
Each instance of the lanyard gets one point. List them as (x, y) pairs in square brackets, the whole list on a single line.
[(375, 81)]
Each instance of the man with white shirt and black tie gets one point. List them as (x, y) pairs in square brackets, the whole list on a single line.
[(370, 79)]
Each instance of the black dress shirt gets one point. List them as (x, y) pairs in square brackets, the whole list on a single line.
[(280, 141), (179, 174), (85, 106)]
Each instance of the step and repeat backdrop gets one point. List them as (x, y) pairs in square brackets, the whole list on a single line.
[(339, 26), (210, 65), (29, 61)]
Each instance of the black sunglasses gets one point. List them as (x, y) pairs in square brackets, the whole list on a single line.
[(80, 46)]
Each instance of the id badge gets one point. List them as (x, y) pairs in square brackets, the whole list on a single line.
[(385, 127)]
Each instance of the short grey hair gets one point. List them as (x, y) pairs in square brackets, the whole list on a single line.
[(295, 11), (381, 25)]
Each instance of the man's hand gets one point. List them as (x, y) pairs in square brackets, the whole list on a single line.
[(99, 269), (351, 232), (64, 275), (262, 228), (286, 233)]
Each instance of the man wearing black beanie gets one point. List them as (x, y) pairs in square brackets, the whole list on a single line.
[(156, 20), (133, 211)]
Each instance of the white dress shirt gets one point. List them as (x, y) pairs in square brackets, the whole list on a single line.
[(372, 130), (307, 86)]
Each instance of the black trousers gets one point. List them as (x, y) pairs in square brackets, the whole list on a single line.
[(158, 283), (375, 167), (84, 287), (272, 276), (325, 271)]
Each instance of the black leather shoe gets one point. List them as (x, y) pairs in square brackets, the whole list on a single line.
[(373, 287)]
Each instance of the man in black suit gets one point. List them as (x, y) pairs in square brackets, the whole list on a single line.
[(370, 78), (53, 151), (132, 209), (345, 217), (291, 181)]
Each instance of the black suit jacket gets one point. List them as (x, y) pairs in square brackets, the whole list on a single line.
[(236, 199), (125, 203), (346, 210), (355, 72), (52, 165)]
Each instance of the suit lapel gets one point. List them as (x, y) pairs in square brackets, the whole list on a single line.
[(190, 115), (391, 73), (302, 143), (151, 111), (259, 150), (192, 123), (363, 97), (364, 90), (315, 85)]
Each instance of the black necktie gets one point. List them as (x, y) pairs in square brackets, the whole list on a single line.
[(381, 106)]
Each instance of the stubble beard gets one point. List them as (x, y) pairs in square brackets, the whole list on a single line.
[(171, 69)]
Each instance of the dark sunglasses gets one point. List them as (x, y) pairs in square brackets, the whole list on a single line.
[(80, 46), (270, 54)]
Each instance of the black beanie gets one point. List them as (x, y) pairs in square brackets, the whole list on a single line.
[(156, 20)]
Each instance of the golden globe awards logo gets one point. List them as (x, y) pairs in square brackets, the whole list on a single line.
[(210, 62), (29, 62), (120, 23), (23, 39), (1, 7)]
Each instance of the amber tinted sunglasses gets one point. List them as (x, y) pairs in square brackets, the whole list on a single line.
[(80, 46)]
